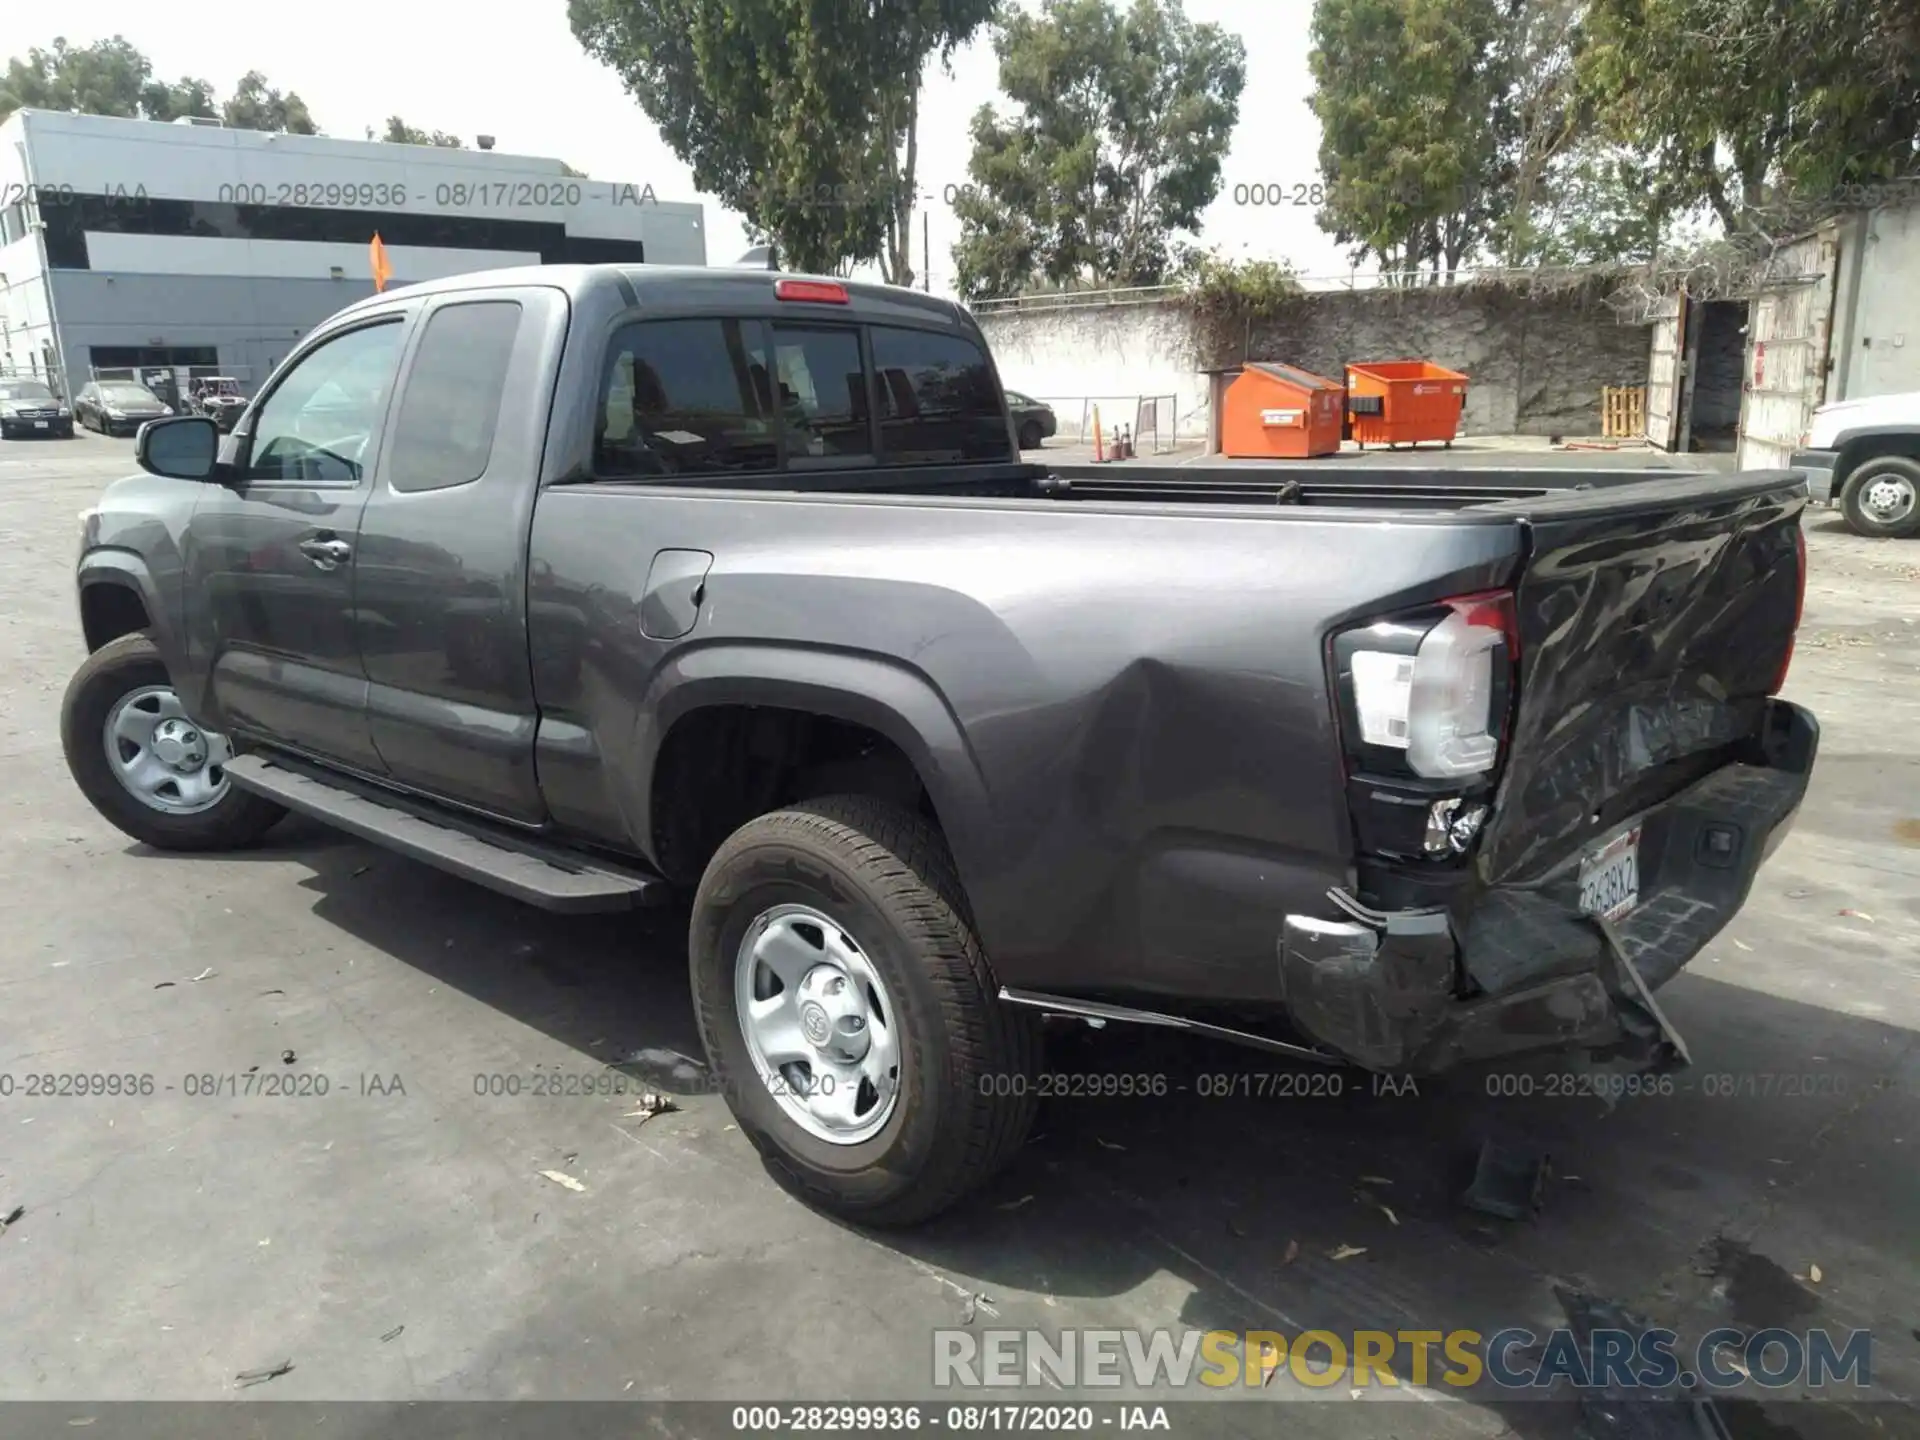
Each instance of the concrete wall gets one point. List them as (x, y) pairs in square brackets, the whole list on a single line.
[(1536, 364), (1110, 354)]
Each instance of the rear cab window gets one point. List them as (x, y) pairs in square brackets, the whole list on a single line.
[(822, 391), (697, 399), (686, 397), (938, 400)]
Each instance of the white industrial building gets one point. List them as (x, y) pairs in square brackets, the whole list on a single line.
[(132, 244)]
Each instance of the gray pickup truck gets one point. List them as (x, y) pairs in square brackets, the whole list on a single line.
[(608, 587)]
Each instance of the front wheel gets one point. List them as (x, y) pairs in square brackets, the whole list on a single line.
[(146, 767), (849, 1014), (1882, 497)]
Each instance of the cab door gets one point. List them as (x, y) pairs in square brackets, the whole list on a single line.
[(269, 556), (440, 572)]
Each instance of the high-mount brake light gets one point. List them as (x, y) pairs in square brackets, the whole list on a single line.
[(818, 292), (1438, 695)]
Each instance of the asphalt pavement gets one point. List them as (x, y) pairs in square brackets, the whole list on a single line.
[(401, 1236)]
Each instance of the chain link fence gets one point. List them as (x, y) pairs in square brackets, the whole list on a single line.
[(1155, 416)]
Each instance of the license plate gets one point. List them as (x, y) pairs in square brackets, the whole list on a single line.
[(39, 424), (1610, 877)]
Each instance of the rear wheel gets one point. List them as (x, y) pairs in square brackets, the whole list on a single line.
[(1882, 497), (848, 1011), (146, 767), (1030, 436)]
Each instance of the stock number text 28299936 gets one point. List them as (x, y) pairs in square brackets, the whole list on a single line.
[(330, 195)]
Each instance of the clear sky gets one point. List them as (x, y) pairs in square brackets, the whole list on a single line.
[(517, 74)]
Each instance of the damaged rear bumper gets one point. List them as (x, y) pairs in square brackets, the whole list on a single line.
[(1421, 991)]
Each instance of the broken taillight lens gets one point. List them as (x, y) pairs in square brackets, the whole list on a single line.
[(1429, 691)]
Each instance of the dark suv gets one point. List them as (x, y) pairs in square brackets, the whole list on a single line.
[(30, 408)]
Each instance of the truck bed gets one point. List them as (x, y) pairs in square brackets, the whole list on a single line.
[(1401, 488)]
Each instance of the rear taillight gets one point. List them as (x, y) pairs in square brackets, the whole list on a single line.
[(1799, 606), (1429, 692)]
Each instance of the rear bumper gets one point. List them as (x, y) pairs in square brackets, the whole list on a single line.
[(1419, 992), (1817, 466)]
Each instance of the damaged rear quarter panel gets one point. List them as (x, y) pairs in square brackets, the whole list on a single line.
[(1646, 637)]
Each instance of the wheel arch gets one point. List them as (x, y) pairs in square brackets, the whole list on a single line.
[(1855, 447), (117, 597), (869, 693)]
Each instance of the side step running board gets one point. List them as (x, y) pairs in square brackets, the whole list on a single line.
[(1100, 1013), (552, 882)]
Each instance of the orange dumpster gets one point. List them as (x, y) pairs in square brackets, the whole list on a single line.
[(1402, 402), (1275, 411)]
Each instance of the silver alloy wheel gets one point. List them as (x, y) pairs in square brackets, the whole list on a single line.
[(162, 758), (818, 1024), (1889, 499)]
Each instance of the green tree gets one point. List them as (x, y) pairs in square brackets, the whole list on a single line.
[(1732, 98), (1409, 95), (800, 115), (256, 105), (163, 101), (1123, 121), (111, 77), (108, 77), (398, 132), (1595, 202), (1569, 193)]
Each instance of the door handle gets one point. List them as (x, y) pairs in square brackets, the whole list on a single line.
[(326, 554)]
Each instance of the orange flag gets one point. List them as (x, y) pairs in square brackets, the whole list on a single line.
[(382, 271)]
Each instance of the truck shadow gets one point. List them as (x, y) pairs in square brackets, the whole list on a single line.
[(1227, 1191)]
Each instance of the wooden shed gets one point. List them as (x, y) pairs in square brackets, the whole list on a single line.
[(1281, 412)]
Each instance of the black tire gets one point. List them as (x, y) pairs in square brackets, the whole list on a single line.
[(1859, 518), (1030, 436), (132, 661), (886, 876)]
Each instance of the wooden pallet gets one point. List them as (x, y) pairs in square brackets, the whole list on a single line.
[(1623, 411)]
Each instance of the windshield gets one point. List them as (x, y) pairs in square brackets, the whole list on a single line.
[(24, 390), (128, 394)]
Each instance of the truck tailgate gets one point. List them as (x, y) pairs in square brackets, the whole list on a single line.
[(1654, 620)]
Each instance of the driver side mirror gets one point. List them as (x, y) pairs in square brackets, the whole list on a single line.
[(181, 447)]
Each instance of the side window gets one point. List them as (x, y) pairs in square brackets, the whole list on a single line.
[(822, 392), (685, 397), (318, 422), (443, 435), (938, 400)]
